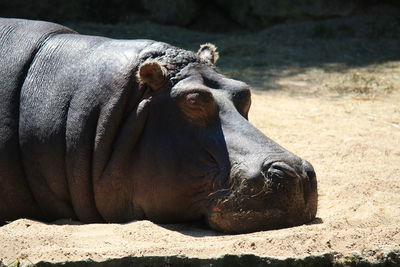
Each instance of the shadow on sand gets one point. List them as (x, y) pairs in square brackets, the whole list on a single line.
[(263, 58)]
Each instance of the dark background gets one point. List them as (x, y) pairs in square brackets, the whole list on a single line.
[(203, 15)]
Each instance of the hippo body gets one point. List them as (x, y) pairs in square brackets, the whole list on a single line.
[(102, 130)]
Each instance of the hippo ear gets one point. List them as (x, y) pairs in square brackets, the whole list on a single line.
[(152, 74), (208, 52)]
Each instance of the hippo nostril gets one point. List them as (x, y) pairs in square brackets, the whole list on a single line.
[(311, 174), (275, 174), (265, 167), (280, 170), (309, 170)]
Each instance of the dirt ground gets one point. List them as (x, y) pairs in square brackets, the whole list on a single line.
[(354, 145)]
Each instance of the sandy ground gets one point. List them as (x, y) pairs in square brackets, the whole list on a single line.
[(354, 145)]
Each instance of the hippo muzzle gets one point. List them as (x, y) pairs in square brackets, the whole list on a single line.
[(268, 187), (280, 196)]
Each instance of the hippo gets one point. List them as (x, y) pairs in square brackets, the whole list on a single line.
[(103, 130)]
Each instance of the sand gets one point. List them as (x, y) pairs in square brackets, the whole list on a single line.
[(354, 145)]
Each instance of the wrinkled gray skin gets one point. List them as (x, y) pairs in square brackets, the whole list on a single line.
[(102, 130)]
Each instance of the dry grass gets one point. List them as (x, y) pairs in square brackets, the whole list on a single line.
[(361, 83), (376, 80)]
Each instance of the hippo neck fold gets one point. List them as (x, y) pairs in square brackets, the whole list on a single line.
[(86, 93)]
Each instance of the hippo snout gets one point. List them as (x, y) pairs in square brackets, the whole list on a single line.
[(283, 194)]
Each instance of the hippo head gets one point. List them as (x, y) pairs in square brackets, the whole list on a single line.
[(199, 158)]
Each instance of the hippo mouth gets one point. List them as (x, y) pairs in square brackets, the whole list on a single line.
[(263, 203)]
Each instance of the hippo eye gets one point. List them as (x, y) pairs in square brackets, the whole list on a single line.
[(197, 105)]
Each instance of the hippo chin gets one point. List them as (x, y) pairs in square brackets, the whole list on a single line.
[(103, 130)]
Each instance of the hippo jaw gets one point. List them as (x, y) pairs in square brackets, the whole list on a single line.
[(263, 203)]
